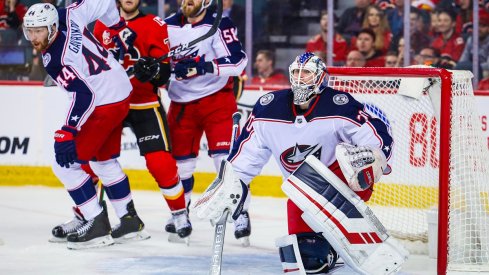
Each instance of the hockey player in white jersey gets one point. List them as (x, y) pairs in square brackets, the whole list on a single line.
[(201, 92), (99, 91), (313, 121)]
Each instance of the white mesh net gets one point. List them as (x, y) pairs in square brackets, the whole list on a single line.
[(402, 199)]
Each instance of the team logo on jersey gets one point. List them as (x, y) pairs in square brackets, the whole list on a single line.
[(293, 157), (46, 58), (340, 99), (264, 100), (106, 39)]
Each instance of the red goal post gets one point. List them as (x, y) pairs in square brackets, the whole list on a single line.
[(455, 139)]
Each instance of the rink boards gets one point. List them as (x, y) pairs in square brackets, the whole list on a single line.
[(30, 114)]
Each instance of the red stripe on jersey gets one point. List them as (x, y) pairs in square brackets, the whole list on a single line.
[(353, 238)]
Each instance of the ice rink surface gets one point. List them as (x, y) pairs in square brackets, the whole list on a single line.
[(27, 215)]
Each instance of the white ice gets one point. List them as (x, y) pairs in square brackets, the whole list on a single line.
[(27, 215)]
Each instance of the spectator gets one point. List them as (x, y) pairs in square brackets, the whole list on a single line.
[(11, 14), (428, 56), (434, 29), (317, 44), (464, 18), (376, 20), (351, 20), (355, 59), (391, 60), (448, 42), (419, 30), (237, 14), (265, 68), (395, 17), (465, 61), (365, 44)]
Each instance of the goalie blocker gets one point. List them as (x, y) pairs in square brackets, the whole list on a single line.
[(345, 221), (226, 192)]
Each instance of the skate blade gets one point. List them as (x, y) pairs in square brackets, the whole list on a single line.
[(245, 241), (174, 238), (97, 242), (57, 240), (133, 237)]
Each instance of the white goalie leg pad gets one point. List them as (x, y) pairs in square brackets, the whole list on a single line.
[(290, 255), (227, 191), (347, 223)]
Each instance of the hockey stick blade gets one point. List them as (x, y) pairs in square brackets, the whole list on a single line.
[(218, 244)]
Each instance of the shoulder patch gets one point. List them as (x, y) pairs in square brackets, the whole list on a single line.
[(46, 58), (266, 99), (340, 99)]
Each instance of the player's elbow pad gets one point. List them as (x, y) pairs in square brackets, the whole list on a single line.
[(362, 166), (163, 75)]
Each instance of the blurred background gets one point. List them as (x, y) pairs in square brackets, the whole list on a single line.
[(357, 33)]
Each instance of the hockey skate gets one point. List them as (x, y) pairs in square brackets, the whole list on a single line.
[(60, 232), (182, 227), (170, 226), (131, 227), (94, 233), (242, 228)]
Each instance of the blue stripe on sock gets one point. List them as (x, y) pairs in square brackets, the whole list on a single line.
[(84, 193), (119, 190)]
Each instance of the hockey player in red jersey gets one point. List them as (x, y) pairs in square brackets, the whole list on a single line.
[(147, 117), (92, 127), (200, 99)]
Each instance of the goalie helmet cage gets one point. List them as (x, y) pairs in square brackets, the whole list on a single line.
[(439, 161)]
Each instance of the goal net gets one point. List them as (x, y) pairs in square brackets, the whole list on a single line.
[(440, 161)]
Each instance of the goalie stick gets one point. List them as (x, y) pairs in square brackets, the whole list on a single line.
[(220, 229)]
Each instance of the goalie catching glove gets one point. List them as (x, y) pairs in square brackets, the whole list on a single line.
[(226, 192), (362, 166)]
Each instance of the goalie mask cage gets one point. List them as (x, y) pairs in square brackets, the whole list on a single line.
[(440, 159)]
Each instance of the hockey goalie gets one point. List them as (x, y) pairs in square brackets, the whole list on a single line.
[(331, 151)]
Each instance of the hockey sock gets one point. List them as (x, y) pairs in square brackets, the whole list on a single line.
[(188, 186), (167, 178)]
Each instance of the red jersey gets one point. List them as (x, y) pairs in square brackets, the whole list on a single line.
[(151, 40), (340, 47), (453, 47), (20, 10), (276, 78)]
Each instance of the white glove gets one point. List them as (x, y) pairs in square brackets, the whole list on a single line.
[(362, 166), (226, 192)]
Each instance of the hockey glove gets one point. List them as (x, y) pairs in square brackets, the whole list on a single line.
[(149, 69), (64, 146), (362, 166), (192, 67), (123, 39)]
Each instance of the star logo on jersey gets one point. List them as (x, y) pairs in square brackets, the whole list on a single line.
[(387, 148), (75, 118), (227, 60), (292, 157)]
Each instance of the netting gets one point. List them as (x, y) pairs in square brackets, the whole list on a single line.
[(403, 198)]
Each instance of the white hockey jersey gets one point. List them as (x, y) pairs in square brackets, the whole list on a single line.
[(223, 48), (275, 129), (79, 64)]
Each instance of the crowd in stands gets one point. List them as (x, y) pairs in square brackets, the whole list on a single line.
[(367, 34)]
